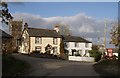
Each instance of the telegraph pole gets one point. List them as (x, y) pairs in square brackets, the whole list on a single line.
[(105, 29)]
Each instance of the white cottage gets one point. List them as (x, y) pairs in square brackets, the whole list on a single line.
[(77, 48), (42, 40)]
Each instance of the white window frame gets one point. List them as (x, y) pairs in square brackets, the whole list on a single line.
[(86, 45), (54, 50), (55, 41), (38, 41), (76, 44), (66, 44), (37, 47)]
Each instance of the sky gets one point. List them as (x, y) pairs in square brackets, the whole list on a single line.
[(82, 18)]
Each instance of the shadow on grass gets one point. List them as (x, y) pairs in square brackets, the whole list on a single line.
[(12, 66), (107, 68)]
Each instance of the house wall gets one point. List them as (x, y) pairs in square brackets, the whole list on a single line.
[(71, 45), (45, 42), (115, 54), (24, 47)]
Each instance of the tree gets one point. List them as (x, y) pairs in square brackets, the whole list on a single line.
[(115, 36), (95, 53), (63, 54), (4, 13), (63, 29)]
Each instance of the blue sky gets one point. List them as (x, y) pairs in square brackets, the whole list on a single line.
[(83, 18), (48, 9)]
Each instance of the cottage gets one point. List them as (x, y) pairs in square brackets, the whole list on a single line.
[(77, 47), (6, 42), (111, 51), (42, 40)]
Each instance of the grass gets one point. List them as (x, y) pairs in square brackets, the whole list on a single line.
[(107, 67), (12, 66)]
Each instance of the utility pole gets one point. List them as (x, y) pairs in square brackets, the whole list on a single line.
[(99, 42), (105, 29)]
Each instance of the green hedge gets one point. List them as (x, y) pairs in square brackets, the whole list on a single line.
[(96, 55)]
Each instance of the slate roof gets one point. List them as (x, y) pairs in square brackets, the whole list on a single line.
[(37, 32), (74, 39), (4, 34)]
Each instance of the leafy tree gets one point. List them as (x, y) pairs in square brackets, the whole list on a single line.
[(4, 13), (95, 53)]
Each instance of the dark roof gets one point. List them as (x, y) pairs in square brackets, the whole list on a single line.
[(5, 35), (33, 32), (74, 39)]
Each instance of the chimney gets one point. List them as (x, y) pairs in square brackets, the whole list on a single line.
[(56, 28), (26, 26)]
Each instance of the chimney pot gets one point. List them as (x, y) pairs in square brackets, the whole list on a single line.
[(56, 28), (26, 26)]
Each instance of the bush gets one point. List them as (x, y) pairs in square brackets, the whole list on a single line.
[(107, 57), (36, 52), (114, 57), (97, 56)]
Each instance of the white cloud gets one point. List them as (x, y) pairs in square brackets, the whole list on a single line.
[(79, 24)]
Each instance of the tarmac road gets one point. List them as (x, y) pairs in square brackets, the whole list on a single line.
[(53, 67)]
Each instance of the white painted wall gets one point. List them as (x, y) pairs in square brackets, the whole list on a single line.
[(71, 45), (115, 54), (77, 58), (45, 42), (25, 35)]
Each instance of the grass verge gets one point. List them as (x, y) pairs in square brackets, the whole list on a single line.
[(12, 66), (107, 67)]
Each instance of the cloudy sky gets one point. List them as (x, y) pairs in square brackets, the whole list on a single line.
[(82, 18)]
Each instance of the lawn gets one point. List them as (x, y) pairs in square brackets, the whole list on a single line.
[(107, 67), (12, 66)]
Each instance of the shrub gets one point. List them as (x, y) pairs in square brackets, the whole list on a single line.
[(107, 57), (35, 51), (96, 55), (114, 57)]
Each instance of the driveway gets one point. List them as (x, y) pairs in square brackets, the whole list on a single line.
[(53, 67)]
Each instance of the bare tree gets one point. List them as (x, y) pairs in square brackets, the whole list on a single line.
[(114, 34), (64, 29), (4, 13), (115, 37)]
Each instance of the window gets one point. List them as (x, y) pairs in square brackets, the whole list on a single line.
[(66, 44), (54, 40), (37, 48), (38, 40), (54, 49), (76, 44), (75, 52), (86, 45), (86, 52)]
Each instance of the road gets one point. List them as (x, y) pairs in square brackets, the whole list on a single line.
[(53, 67)]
